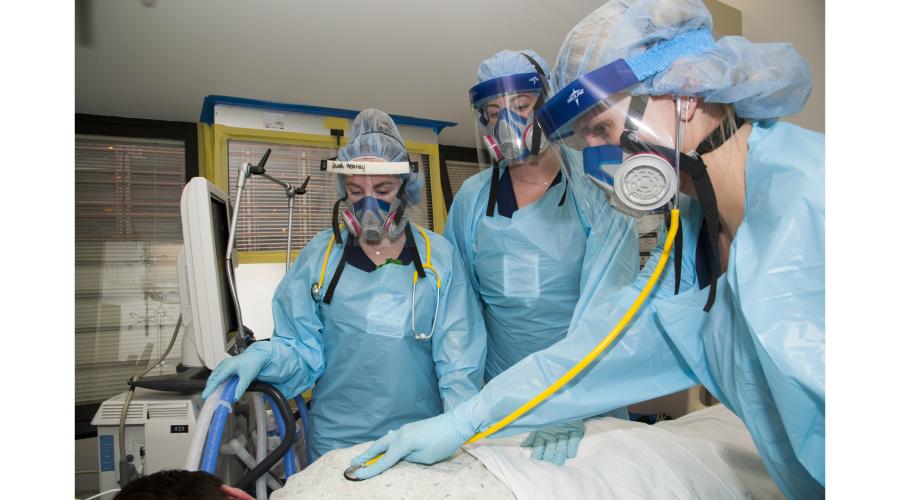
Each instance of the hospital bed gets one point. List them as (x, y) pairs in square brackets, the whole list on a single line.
[(705, 454)]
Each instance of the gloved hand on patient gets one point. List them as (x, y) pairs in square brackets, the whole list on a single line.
[(246, 366), (556, 444), (424, 442)]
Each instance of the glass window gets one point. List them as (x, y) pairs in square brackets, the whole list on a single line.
[(127, 238)]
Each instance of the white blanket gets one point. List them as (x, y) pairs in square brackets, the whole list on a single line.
[(460, 477), (706, 454)]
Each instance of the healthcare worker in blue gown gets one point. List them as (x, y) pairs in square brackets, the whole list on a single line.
[(748, 320), (349, 333), (518, 229)]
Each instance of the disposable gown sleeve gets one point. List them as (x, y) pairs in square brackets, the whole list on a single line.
[(295, 351), (459, 345), (460, 226), (640, 365)]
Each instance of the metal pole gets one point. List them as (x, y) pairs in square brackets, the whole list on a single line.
[(229, 268), (287, 259), (678, 124), (277, 181)]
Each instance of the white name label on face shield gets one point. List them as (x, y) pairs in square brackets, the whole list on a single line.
[(367, 167)]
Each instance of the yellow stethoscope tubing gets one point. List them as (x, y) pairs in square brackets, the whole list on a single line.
[(594, 353), (425, 265)]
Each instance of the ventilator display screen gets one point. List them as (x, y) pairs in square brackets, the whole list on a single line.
[(220, 236)]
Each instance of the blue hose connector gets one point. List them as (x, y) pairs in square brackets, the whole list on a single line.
[(217, 427)]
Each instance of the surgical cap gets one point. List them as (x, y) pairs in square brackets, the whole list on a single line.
[(761, 80), (373, 133), (509, 62)]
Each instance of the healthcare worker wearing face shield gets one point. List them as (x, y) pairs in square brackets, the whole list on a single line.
[(518, 229), (376, 314), (641, 86)]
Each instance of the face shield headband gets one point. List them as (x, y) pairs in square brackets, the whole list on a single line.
[(596, 87)]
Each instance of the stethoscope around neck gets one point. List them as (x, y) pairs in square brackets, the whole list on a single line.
[(420, 269)]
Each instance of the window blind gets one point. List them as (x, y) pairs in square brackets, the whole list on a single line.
[(458, 172), (127, 238)]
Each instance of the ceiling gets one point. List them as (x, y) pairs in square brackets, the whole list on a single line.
[(159, 58)]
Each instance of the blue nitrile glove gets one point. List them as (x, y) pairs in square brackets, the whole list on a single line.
[(556, 444), (245, 365), (424, 442)]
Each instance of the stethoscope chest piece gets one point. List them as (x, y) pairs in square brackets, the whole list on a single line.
[(316, 291), (350, 473), (437, 308)]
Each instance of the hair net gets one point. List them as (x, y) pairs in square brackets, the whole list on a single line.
[(509, 62), (373, 133), (761, 80)]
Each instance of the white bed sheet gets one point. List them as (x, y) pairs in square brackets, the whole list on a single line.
[(706, 454)]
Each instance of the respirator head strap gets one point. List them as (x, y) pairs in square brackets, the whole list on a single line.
[(401, 195), (562, 199), (397, 212), (495, 189), (679, 250), (337, 273), (536, 131), (715, 140), (414, 252), (694, 167), (335, 222)]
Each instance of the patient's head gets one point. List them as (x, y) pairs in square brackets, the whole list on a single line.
[(180, 485)]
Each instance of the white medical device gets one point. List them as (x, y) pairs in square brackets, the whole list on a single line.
[(159, 425), (213, 320)]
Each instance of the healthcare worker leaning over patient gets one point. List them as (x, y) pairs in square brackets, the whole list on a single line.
[(350, 330), (748, 320), (518, 230)]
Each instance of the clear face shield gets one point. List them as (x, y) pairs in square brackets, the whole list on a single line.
[(628, 146), (374, 207), (507, 133)]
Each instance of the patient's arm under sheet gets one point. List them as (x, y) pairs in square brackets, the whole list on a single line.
[(707, 454), (460, 477)]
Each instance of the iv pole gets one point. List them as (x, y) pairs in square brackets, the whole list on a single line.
[(247, 171)]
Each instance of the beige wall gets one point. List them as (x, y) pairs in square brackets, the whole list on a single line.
[(802, 23)]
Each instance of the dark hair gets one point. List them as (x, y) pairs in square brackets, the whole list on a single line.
[(174, 485)]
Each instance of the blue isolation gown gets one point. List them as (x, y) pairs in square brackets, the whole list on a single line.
[(370, 374), (761, 348)]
